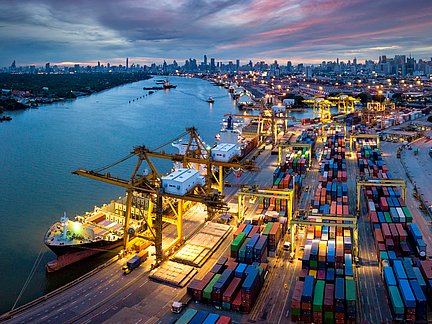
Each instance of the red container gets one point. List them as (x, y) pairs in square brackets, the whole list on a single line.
[(236, 304), (201, 285), (296, 298), (231, 290), (386, 231), (239, 230), (224, 320)]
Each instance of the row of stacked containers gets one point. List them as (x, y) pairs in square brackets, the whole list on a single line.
[(193, 316), (398, 242), (234, 283), (326, 291)]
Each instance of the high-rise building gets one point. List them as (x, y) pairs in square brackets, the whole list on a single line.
[(127, 63), (47, 68), (237, 64), (212, 65), (205, 61)]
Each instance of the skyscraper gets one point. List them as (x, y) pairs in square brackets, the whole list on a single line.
[(212, 64), (127, 63), (205, 61)]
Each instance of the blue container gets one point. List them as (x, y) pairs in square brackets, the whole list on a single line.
[(240, 270), (407, 294), (421, 301), (389, 276), (252, 279), (247, 229), (399, 270), (308, 290), (211, 319), (199, 317)]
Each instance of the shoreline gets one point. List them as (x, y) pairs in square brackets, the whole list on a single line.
[(23, 96)]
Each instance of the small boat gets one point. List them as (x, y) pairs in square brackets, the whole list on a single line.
[(210, 99), (153, 88), (5, 118), (168, 85), (150, 92)]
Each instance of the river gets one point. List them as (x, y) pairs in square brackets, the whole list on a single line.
[(40, 148)]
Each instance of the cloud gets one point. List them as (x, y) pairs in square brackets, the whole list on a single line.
[(79, 30)]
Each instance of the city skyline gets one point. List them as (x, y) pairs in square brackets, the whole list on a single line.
[(40, 31)]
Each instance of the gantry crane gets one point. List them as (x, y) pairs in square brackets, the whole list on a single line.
[(267, 120), (254, 191), (330, 220), (149, 184), (354, 137), (344, 103), (308, 148), (364, 182), (377, 109), (320, 109)]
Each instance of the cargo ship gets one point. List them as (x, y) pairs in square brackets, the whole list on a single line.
[(240, 132), (95, 232)]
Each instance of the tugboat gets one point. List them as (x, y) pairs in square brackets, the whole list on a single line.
[(167, 85), (5, 118), (210, 99)]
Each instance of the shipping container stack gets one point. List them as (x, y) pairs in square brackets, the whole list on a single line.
[(294, 164), (326, 291), (331, 194), (194, 316), (398, 241), (230, 285)]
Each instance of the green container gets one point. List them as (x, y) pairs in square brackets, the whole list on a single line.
[(242, 251), (396, 300), (278, 180), (209, 288), (350, 290), (407, 214), (383, 255), (388, 217), (313, 264), (328, 317), (318, 298), (296, 311), (236, 244), (226, 306), (267, 228)]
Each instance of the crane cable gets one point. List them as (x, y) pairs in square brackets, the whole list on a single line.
[(29, 278)]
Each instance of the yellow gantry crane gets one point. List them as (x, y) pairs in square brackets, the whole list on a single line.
[(344, 103), (306, 219), (320, 109), (254, 191), (364, 182), (149, 185), (377, 109)]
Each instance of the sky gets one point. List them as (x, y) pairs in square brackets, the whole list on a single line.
[(308, 31)]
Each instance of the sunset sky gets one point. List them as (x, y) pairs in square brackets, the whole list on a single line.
[(40, 31)]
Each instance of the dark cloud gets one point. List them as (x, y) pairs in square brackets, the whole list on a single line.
[(64, 30)]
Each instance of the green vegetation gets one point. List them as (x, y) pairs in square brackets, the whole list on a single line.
[(10, 104), (62, 85)]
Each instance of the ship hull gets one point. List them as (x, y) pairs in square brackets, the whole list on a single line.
[(67, 255)]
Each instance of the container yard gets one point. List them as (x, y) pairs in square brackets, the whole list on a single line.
[(320, 232)]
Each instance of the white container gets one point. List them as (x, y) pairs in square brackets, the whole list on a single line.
[(182, 181), (225, 152)]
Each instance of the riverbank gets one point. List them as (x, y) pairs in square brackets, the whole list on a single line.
[(23, 91)]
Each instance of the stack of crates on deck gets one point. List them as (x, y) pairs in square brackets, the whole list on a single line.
[(398, 241)]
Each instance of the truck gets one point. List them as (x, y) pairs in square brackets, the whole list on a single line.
[(177, 306), (135, 262)]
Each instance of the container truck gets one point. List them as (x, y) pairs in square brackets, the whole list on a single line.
[(135, 261)]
